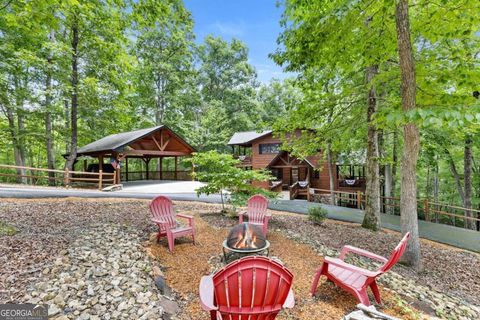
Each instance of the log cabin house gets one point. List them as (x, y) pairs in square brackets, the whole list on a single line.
[(262, 150)]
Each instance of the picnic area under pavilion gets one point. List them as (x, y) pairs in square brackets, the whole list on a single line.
[(158, 142)]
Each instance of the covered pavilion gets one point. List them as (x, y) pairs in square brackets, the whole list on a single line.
[(159, 142)]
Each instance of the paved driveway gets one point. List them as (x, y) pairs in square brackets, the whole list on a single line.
[(161, 187)]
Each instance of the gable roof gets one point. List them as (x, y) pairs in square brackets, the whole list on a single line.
[(118, 141), (312, 161), (245, 137)]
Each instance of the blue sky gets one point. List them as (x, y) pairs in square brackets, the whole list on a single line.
[(255, 22)]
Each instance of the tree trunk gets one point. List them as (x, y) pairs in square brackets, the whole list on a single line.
[(48, 117), (74, 104), (66, 109), (388, 184), (435, 187), (331, 173), (394, 162), (19, 161), (467, 179), (408, 201), (371, 220), (456, 176)]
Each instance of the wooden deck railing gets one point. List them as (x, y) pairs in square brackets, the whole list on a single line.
[(276, 186), (182, 175), (56, 177), (293, 190), (427, 209)]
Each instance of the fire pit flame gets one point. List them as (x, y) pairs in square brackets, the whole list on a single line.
[(247, 238)]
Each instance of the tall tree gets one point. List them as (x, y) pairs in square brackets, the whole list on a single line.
[(49, 142), (163, 50), (371, 219), (411, 136), (227, 81), (74, 93)]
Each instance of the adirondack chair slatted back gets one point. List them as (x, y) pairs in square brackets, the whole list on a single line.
[(252, 288), (396, 254), (162, 209), (257, 208)]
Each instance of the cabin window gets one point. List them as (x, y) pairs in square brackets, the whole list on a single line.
[(269, 148), (277, 173), (350, 172)]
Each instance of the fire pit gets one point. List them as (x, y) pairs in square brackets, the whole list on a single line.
[(243, 240)]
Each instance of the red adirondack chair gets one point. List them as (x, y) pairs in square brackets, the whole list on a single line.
[(252, 287), (354, 279), (257, 212), (165, 217)]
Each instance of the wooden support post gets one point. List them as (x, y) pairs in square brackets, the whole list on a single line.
[(176, 165), (359, 200), (66, 178), (308, 195), (126, 168), (193, 171), (100, 179), (161, 168), (85, 165), (147, 161), (426, 209), (100, 162)]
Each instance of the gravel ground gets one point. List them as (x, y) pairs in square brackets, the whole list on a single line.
[(47, 230)]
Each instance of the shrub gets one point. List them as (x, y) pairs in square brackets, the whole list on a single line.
[(317, 214), (6, 229)]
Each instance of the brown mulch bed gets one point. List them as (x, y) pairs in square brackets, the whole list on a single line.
[(446, 269), (184, 268)]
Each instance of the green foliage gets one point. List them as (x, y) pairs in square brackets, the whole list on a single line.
[(317, 214), (6, 229), (240, 198), (138, 66), (329, 44), (222, 175)]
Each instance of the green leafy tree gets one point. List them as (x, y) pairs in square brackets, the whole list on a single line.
[(222, 175), (163, 48), (227, 81)]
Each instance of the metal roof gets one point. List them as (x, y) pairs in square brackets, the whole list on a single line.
[(245, 137), (116, 141)]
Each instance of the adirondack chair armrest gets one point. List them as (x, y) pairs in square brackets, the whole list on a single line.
[(186, 216), (361, 252), (267, 217), (290, 301), (240, 216), (206, 293), (341, 264)]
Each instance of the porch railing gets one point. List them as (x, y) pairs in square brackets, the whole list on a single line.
[(42, 176), (427, 210)]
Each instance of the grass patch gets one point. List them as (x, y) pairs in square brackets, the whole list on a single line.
[(6, 229)]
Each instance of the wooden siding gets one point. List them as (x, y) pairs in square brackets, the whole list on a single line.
[(261, 161)]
